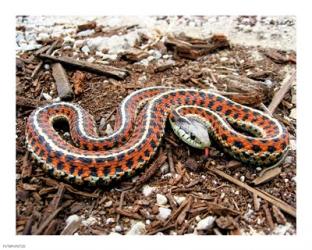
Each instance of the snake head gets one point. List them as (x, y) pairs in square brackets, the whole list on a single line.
[(190, 130)]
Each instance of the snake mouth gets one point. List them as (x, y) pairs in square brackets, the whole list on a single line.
[(206, 152)]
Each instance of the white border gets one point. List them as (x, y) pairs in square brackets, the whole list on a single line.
[(262, 7)]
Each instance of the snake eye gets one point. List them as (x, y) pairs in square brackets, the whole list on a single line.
[(192, 137)]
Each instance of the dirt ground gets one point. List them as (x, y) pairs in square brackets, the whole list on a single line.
[(180, 191)]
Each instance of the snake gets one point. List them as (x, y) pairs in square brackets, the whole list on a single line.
[(197, 117)]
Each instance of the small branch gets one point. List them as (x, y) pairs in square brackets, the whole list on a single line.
[(51, 217), (38, 67), (279, 95), (275, 201), (104, 70)]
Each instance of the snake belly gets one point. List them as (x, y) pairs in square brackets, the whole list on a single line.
[(138, 133)]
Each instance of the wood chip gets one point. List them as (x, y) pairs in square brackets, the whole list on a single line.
[(267, 176), (268, 216), (279, 216), (63, 87), (279, 95)]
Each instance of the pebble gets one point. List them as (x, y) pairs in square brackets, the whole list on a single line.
[(164, 213), (292, 144), (293, 113), (85, 49), (85, 33), (147, 190), (91, 59), (89, 222), (288, 160), (137, 229), (147, 222), (242, 178), (46, 66), (114, 233), (108, 204), (43, 37), (179, 199), (164, 169), (109, 57), (206, 223), (72, 218), (110, 220), (109, 129), (161, 199), (118, 228), (47, 96), (258, 169)]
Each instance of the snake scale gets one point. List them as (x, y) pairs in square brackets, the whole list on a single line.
[(140, 125)]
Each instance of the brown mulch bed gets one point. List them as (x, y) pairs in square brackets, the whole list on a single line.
[(43, 204)]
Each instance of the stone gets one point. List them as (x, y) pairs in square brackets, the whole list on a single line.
[(164, 213), (47, 96), (89, 222), (206, 223), (137, 229), (164, 169), (179, 199), (293, 113), (72, 218), (147, 190), (85, 49), (108, 204), (109, 129), (161, 199)]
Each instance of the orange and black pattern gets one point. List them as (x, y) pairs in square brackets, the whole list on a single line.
[(138, 132)]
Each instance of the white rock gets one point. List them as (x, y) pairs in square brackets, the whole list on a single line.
[(137, 229), (46, 66), (155, 54), (179, 199), (43, 37), (85, 49), (147, 222), (161, 199), (108, 203), (91, 59), (114, 233), (147, 190), (293, 113), (47, 96), (72, 218), (242, 178), (164, 169), (206, 223), (118, 228), (78, 44), (89, 222), (292, 144), (109, 129), (109, 57), (164, 213), (110, 220), (85, 33)]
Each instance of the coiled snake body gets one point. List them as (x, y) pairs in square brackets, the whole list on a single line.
[(139, 128)]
